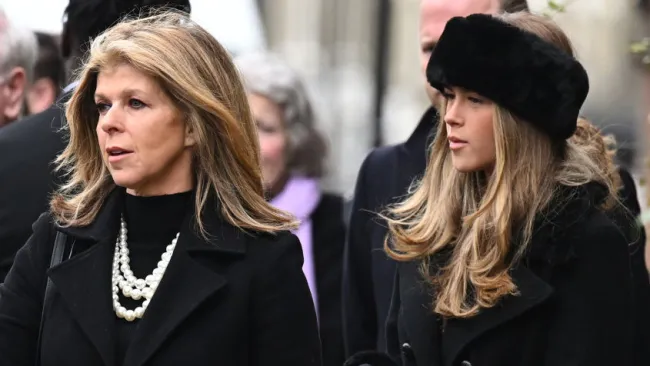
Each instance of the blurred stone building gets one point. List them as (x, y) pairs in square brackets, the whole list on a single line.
[(360, 60)]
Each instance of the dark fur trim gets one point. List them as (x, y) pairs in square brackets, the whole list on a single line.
[(562, 221), (516, 69)]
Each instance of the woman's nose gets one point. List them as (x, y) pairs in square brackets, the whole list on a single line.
[(453, 114), (111, 121)]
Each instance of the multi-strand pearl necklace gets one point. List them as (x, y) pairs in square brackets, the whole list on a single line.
[(132, 287)]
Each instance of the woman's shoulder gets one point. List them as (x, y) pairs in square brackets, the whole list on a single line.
[(45, 226), (577, 227), (271, 246), (597, 236), (34, 256)]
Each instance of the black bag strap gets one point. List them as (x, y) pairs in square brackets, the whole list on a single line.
[(57, 257)]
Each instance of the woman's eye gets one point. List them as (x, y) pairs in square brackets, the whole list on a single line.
[(136, 104), (428, 47), (448, 96), (476, 100), (102, 107), (267, 128)]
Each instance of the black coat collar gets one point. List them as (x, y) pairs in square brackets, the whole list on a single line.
[(84, 281), (555, 227)]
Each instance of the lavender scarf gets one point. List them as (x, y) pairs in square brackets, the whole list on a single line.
[(300, 197)]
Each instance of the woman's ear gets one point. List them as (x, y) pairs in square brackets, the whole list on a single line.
[(190, 136)]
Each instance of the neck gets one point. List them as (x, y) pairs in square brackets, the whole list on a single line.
[(176, 178), (277, 187), (156, 217), (154, 192)]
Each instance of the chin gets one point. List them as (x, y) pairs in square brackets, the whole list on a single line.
[(463, 169), (125, 181), (466, 167)]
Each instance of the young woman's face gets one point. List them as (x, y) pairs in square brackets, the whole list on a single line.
[(144, 142), (469, 119)]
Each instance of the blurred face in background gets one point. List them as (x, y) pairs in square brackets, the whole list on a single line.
[(12, 91), (434, 15), (273, 140), (41, 95)]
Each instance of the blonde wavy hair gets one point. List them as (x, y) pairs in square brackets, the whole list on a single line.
[(198, 75), (472, 217)]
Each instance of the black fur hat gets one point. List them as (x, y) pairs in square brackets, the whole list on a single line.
[(516, 69)]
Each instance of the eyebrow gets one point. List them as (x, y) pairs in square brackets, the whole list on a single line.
[(127, 91)]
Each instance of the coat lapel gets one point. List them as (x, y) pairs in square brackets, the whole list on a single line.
[(185, 285), (459, 333), (84, 281), (420, 322)]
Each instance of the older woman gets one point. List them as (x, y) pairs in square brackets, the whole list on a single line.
[(293, 155), (170, 253)]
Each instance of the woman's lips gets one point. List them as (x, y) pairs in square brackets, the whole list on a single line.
[(456, 143)]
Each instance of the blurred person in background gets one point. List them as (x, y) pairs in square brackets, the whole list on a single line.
[(165, 263), (293, 156), (49, 75), (384, 177), (29, 147), (18, 52)]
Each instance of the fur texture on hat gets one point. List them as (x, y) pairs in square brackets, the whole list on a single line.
[(516, 69)]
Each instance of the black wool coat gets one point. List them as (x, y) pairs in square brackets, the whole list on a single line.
[(235, 299), (383, 179), (576, 304), (328, 237)]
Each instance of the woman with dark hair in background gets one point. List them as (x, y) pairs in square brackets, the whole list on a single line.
[(293, 158), (49, 75)]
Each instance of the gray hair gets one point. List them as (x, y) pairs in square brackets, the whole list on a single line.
[(18, 48), (269, 76)]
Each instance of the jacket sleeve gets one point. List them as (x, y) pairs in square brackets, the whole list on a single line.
[(593, 318), (392, 357), (21, 298), (359, 310), (285, 329)]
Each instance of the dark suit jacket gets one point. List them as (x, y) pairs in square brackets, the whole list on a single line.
[(328, 233), (367, 273), (27, 149), (235, 299)]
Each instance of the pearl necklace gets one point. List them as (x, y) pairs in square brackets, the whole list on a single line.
[(132, 287)]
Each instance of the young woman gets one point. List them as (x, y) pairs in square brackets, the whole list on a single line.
[(508, 253), (173, 255)]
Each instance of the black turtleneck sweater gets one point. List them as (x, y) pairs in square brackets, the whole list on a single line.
[(152, 223)]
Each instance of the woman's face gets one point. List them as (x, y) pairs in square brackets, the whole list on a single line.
[(273, 138), (469, 120), (145, 144)]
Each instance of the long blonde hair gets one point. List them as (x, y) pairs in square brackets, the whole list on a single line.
[(198, 75), (470, 218)]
